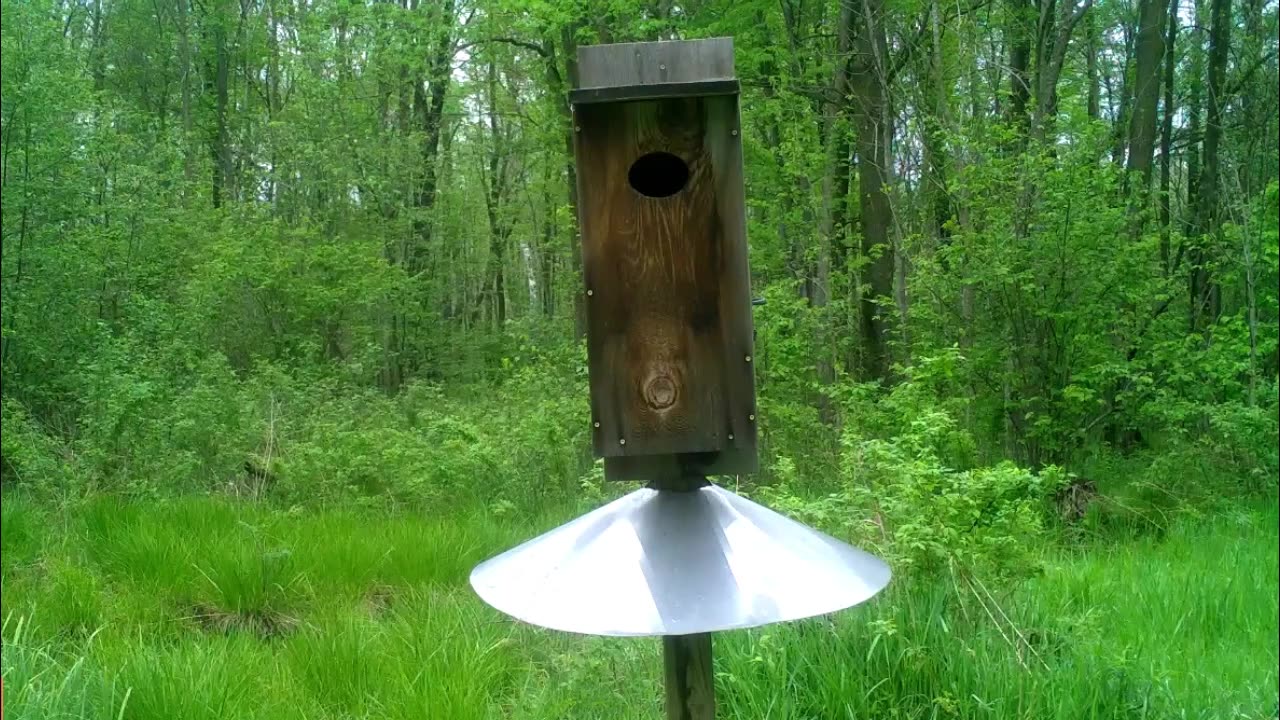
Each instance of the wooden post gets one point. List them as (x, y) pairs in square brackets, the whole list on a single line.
[(687, 674), (667, 285), (686, 659)]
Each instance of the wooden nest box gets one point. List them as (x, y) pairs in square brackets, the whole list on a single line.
[(664, 253)]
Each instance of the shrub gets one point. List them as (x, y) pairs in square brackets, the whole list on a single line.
[(32, 456), (904, 490)]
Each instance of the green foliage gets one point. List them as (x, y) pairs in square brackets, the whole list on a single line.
[(32, 455), (291, 340), (386, 627), (155, 420), (41, 686), (300, 294), (908, 488)]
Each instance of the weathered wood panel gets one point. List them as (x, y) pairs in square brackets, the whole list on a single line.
[(648, 63), (668, 298)]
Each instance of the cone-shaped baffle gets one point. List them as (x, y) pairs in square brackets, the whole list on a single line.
[(673, 563)]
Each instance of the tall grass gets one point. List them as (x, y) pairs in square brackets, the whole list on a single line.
[(203, 608), (1185, 627)]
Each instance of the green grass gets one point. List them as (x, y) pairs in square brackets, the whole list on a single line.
[(1184, 627), (203, 608)]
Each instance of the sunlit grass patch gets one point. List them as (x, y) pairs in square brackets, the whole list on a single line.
[(20, 532), (437, 654), (1181, 627), (42, 683), (205, 608), (200, 677), (352, 552)]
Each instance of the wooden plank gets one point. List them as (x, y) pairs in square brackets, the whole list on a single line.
[(667, 283), (648, 63), (623, 93), (723, 144), (688, 677)]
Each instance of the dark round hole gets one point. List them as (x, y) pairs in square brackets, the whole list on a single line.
[(658, 175)]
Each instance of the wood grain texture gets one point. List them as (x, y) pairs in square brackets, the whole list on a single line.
[(688, 677), (668, 296), (648, 63)]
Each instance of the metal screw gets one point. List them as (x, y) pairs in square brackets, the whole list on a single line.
[(590, 293), (577, 128), (662, 67), (730, 436), (734, 133), (596, 424), (622, 441), (748, 358), (751, 417)]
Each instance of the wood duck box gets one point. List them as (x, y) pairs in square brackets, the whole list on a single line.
[(668, 302)]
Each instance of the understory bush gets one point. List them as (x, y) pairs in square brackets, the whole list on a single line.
[(154, 421), (908, 489), (31, 454)]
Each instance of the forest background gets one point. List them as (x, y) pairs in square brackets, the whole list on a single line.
[(291, 263)]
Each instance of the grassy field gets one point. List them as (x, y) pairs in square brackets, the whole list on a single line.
[(205, 608)]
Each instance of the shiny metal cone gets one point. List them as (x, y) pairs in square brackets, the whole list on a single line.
[(674, 563)]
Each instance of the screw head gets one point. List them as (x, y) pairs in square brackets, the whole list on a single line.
[(662, 67), (577, 128), (734, 133), (590, 293), (595, 424), (730, 436), (622, 441), (751, 417), (748, 358)]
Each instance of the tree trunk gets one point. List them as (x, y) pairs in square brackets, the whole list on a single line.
[(546, 253), (186, 70), (559, 87), (1249, 103), (1053, 39), (1205, 294), (1093, 47), (835, 189), (431, 114), (1195, 130), (220, 147), (494, 199), (9, 319), (873, 121), (1149, 51), (427, 109), (935, 120), (1021, 28), (1120, 133), (1251, 312), (1166, 137)]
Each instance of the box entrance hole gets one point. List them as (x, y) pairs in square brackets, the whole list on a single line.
[(658, 174)]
